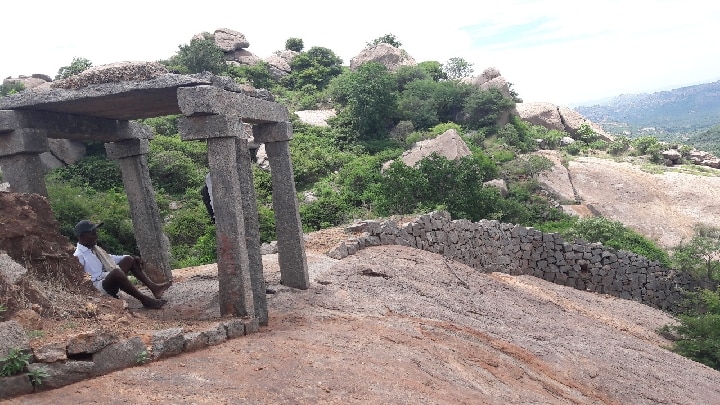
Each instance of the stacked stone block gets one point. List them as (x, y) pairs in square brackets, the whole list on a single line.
[(491, 246)]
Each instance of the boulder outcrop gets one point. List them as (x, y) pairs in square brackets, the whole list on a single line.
[(556, 117), (279, 63), (490, 78), (384, 53), (29, 82), (449, 145)]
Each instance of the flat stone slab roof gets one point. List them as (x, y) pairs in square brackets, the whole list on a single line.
[(124, 100)]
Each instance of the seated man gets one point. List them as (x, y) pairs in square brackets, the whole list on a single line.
[(109, 273)]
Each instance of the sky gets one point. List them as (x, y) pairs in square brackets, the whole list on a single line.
[(558, 51)]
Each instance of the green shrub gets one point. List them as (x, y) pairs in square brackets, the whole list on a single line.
[(173, 171), (165, 126), (201, 55), (699, 255), (644, 143), (440, 129), (316, 67), (482, 108), (698, 334), (526, 166), (78, 65), (575, 148), (204, 251), (11, 88), (366, 100), (195, 150), (610, 233), (436, 181), (266, 217), (586, 134), (315, 154), (294, 44), (14, 362), (619, 145), (387, 39), (330, 209), (187, 225), (258, 75), (97, 172)]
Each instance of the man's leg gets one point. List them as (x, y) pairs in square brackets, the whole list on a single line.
[(133, 265), (117, 279)]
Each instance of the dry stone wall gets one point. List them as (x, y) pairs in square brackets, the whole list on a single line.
[(491, 246)]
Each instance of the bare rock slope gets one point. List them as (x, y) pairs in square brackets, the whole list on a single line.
[(397, 325), (665, 207)]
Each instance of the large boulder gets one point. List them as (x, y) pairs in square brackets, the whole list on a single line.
[(29, 82), (62, 152), (242, 57), (233, 44), (229, 40), (449, 145), (279, 63), (317, 118), (384, 53), (557, 178), (556, 117), (490, 78)]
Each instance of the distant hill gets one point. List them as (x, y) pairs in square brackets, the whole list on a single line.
[(677, 114)]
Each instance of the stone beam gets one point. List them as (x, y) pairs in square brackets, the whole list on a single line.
[(77, 127), (211, 100), (209, 126), (24, 141), (278, 132), (147, 224)]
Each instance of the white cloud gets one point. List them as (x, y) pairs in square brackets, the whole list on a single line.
[(559, 51)]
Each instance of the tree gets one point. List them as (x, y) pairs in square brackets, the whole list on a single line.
[(367, 100), (699, 255), (427, 103), (457, 68), (258, 74), (386, 39), (314, 68), (201, 55), (482, 108), (78, 65), (294, 44), (456, 185), (434, 69)]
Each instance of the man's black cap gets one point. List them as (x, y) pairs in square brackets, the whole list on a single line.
[(86, 226)]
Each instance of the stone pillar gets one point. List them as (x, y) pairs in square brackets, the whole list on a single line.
[(20, 160), (235, 285), (291, 245), (236, 290), (154, 246), (252, 230)]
